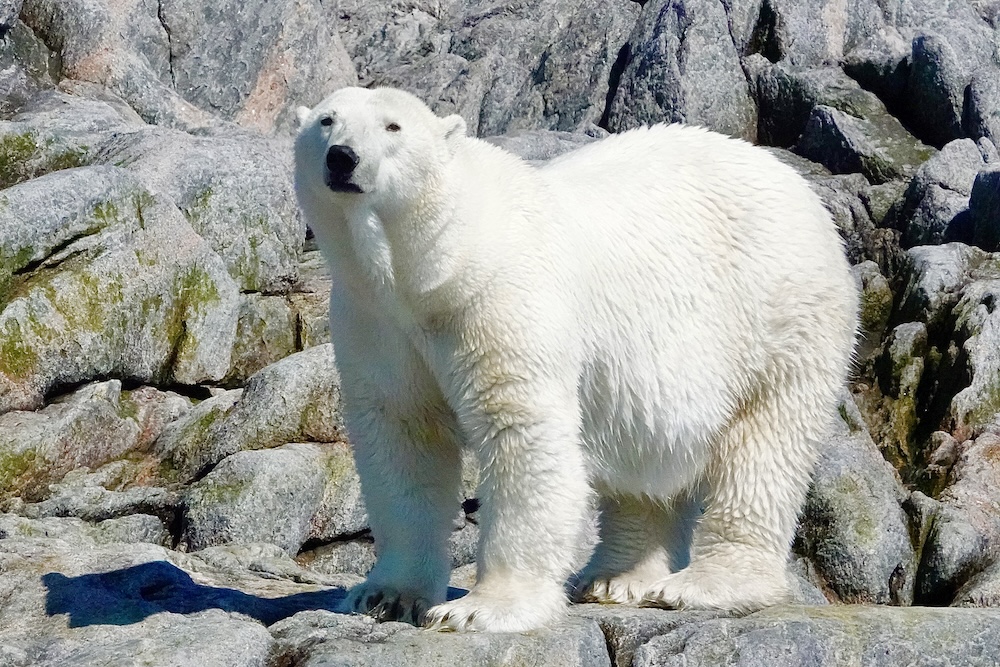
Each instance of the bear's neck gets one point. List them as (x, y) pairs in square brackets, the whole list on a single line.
[(423, 244)]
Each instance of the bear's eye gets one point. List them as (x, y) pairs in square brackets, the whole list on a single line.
[(393, 127), (326, 120)]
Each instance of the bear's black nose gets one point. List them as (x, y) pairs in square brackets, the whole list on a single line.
[(341, 161)]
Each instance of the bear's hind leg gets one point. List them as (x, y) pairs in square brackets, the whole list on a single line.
[(641, 542), (756, 485)]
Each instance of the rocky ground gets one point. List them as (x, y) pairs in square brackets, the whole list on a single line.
[(176, 485)]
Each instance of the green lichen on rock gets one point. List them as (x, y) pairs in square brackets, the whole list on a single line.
[(15, 472), (16, 151), (17, 358)]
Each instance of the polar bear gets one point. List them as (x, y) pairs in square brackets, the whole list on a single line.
[(662, 319)]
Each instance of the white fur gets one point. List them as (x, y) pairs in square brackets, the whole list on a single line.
[(664, 317)]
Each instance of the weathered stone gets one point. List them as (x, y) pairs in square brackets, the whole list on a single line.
[(936, 84), (133, 529), (256, 496), (350, 557), (682, 66), (341, 511), (310, 300), (984, 210), (288, 55), (831, 635), (531, 66), (852, 526), (293, 400), (541, 145), (265, 333), (937, 276), (982, 110), (86, 429), (876, 306), (939, 192), (235, 190), (26, 64), (106, 280), (320, 638), (876, 146), (977, 328)]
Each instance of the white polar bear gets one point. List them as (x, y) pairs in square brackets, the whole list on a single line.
[(664, 318)]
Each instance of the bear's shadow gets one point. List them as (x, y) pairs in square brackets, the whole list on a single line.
[(129, 595)]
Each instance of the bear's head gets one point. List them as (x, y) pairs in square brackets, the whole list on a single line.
[(380, 145)]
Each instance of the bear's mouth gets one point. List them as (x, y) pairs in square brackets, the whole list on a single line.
[(343, 186)]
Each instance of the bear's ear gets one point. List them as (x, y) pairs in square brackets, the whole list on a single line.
[(302, 113), (454, 130)]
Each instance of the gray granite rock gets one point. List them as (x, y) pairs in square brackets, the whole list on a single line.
[(832, 635), (984, 210), (318, 639), (26, 64), (853, 527), (341, 510), (235, 190), (266, 495), (104, 280), (876, 306), (939, 192), (293, 400), (682, 66), (266, 332), (289, 54)]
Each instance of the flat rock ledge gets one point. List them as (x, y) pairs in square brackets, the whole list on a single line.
[(72, 594)]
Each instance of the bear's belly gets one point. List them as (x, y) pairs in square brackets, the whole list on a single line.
[(642, 436)]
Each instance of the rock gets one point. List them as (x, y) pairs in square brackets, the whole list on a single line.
[(265, 333), (937, 82), (256, 496), (982, 590), (984, 210), (137, 528), (341, 512), (530, 66), (321, 638), (977, 329), (293, 400), (310, 299), (26, 64), (120, 46), (95, 503), (982, 111), (846, 144), (234, 189), (86, 429), (876, 306), (937, 276), (938, 193), (106, 280), (852, 526), (629, 628), (828, 635), (681, 65), (350, 557), (288, 55)]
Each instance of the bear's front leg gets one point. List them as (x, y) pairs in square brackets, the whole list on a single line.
[(534, 492), (407, 456)]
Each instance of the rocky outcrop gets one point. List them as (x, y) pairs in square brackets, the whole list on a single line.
[(175, 480)]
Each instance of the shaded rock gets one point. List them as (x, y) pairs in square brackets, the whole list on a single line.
[(984, 210), (982, 110), (293, 400), (937, 276), (828, 635), (880, 148), (288, 55), (982, 590), (938, 193), (26, 64), (86, 429), (852, 526), (320, 638), (977, 329), (91, 604), (876, 306), (682, 66), (106, 280), (937, 83), (234, 189), (310, 301), (256, 496)]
